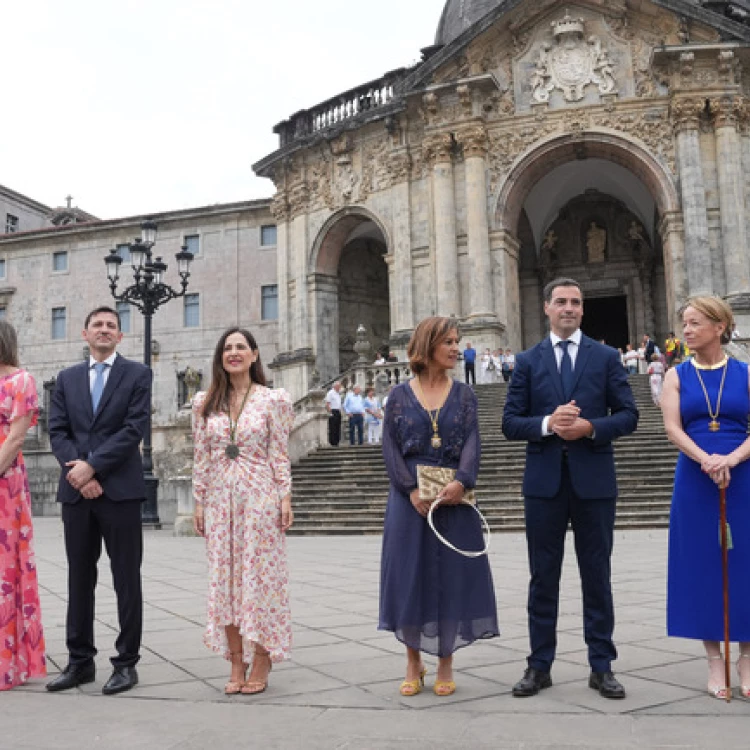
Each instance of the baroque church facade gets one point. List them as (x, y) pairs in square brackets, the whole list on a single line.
[(607, 141)]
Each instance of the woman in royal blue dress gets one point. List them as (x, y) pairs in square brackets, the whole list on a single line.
[(706, 402), (432, 598)]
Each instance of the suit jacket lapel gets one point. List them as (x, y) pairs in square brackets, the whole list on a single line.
[(548, 357), (84, 383), (118, 369), (582, 359)]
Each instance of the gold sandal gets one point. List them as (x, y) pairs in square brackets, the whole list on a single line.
[(410, 688), (443, 688), (717, 691), (255, 687), (233, 687)]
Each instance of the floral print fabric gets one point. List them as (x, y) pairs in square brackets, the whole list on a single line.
[(21, 638), (241, 498)]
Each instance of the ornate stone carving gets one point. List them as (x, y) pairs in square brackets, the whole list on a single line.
[(375, 172), (399, 167), (346, 181), (572, 63), (686, 113), (342, 145), (438, 148), (473, 138), (299, 199), (464, 100), (430, 106), (728, 111), (280, 207), (728, 67)]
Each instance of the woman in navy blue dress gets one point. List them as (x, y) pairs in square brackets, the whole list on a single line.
[(432, 598), (706, 402)]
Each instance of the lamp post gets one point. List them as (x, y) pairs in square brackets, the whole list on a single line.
[(148, 293)]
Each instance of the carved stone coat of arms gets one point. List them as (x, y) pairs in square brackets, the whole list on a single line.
[(572, 63)]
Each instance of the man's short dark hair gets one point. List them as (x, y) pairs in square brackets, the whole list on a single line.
[(559, 282), (100, 310)]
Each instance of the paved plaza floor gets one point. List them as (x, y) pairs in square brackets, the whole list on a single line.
[(340, 690)]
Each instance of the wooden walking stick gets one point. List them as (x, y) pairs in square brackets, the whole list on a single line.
[(725, 582)]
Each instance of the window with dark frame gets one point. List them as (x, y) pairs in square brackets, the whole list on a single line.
[(269, 302), (58, 323), (11, 223), (268, 235), (123, 310), (192, 311), (60, 260)]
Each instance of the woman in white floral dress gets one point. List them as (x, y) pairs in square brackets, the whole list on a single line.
[(242, 490)]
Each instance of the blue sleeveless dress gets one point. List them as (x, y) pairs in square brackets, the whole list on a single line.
[(694, 588)]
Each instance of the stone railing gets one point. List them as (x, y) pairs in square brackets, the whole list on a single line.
[(357, 101)]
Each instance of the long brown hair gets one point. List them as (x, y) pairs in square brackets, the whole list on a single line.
[(217, 398), (8, 344)]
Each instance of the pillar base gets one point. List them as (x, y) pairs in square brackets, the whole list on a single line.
[(484, 331)]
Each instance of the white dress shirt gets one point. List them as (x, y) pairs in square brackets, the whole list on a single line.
[(333, 399), (92, 372), (573, 346)]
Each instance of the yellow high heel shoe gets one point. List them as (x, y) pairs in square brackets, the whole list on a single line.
[(443, 688), (744, 689), (233, 686), (413, 687), (716, 691)]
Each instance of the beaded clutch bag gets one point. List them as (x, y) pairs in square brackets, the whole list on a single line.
[(432, 479)]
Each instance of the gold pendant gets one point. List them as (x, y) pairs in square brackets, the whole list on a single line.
[(713, 425), (436, 441)]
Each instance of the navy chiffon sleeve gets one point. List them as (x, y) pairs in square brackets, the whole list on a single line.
[(468, 465), (398, 472)]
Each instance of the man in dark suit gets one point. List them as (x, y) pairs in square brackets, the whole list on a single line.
[(98, 414), (569, 398)]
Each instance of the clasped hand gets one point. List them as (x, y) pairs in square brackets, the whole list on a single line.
[(719, 468), (81, 477), (566, 422), (451, 494)]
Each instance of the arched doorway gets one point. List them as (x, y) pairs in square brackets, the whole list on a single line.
[(599, 208), (350, 288)]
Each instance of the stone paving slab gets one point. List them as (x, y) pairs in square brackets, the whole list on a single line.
[(340, 689)]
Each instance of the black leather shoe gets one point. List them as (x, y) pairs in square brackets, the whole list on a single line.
[(531, 683), (122, 679), (72, 676), (607, 685)]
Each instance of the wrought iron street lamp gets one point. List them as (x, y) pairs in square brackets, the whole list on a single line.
[(148, 293)]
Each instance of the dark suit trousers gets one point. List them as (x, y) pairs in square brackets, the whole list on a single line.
[(334, 427), (86, 524), (592, 522)]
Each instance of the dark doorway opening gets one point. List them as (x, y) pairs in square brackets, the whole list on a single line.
[(606, 318)]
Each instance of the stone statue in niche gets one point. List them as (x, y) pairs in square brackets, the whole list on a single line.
[(638, 244), (548, 251), (596, 243), (572, 63)]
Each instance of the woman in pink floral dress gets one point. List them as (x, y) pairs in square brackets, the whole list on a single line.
[(242, 491), (21, 639)]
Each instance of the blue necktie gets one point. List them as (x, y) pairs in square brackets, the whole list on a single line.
[(566, 370), (98, 388)]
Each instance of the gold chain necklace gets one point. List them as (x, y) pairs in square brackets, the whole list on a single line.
[(232, 450), (435, 441), (713, 425)]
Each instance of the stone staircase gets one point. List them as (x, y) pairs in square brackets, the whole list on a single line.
[(343, 490)]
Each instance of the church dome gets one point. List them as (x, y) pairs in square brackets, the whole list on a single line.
[(458, 15)]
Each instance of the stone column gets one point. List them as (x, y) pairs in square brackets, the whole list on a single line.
[(726, 111), (399, 263), (280, 211), (439, 152), (507, 287), (298, 201), (672, 232), (686, 115), (474, 141)]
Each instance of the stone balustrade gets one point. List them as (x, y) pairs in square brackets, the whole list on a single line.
[(345, 106)]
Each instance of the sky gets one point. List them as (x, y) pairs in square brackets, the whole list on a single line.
[(139, 106)]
